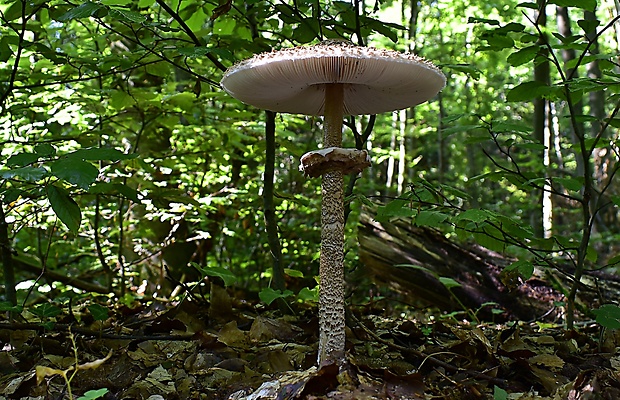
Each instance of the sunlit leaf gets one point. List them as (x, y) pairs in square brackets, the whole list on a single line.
[(94, 394), (75, 171), (295, 273), (228, 277)]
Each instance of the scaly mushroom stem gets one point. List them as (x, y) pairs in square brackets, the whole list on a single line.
[(331, 294)]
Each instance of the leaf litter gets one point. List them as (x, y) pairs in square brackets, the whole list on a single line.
[(188, 350)]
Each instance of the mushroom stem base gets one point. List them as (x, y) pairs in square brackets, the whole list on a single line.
[(331, 294)]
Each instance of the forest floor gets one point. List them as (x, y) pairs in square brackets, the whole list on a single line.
[(157, 350)]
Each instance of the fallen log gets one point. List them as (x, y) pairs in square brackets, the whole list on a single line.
[(412, 261)]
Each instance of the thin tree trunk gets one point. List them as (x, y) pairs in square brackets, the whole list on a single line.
[(271, 225), (568, 54), (542, 75), (389, 173), (7, 258), (402, 149)]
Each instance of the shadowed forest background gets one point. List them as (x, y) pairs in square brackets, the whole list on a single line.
[(130, 181)]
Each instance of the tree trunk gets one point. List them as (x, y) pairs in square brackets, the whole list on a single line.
[(541, 106)]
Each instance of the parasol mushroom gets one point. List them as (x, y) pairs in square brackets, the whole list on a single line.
[(333, 79)]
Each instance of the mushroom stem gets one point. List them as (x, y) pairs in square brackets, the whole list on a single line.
[(331, 293)]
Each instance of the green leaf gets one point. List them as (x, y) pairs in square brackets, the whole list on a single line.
[(194, 51), (121, 14), (46, 310), (589, 5), (527, 91), (510, 27), (101, 154), (7, 306), (491, 238), (5, 50), (45, 149), (395, 208), (430, 218), (499, 41), (306, 294), (65, 207), (84, 10), (75, 171), (295, 273), (464, 68), (570, 183), (228, 277), (532, 6), (115, 189), (268, 295), (499, 393), (523, 56), (10, 195), (31, 174), (93, 394), (504, 126), (449, 283), (381, 28), (306, 31), (183, 100), (608, 315), (588, 26), (22, 159), (523, 267), (445, 132), (98, 312), (474, 215), (120, 100), (614, 260), (476, 20)]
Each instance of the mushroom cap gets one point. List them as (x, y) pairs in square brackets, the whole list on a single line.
[(293, 80)]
